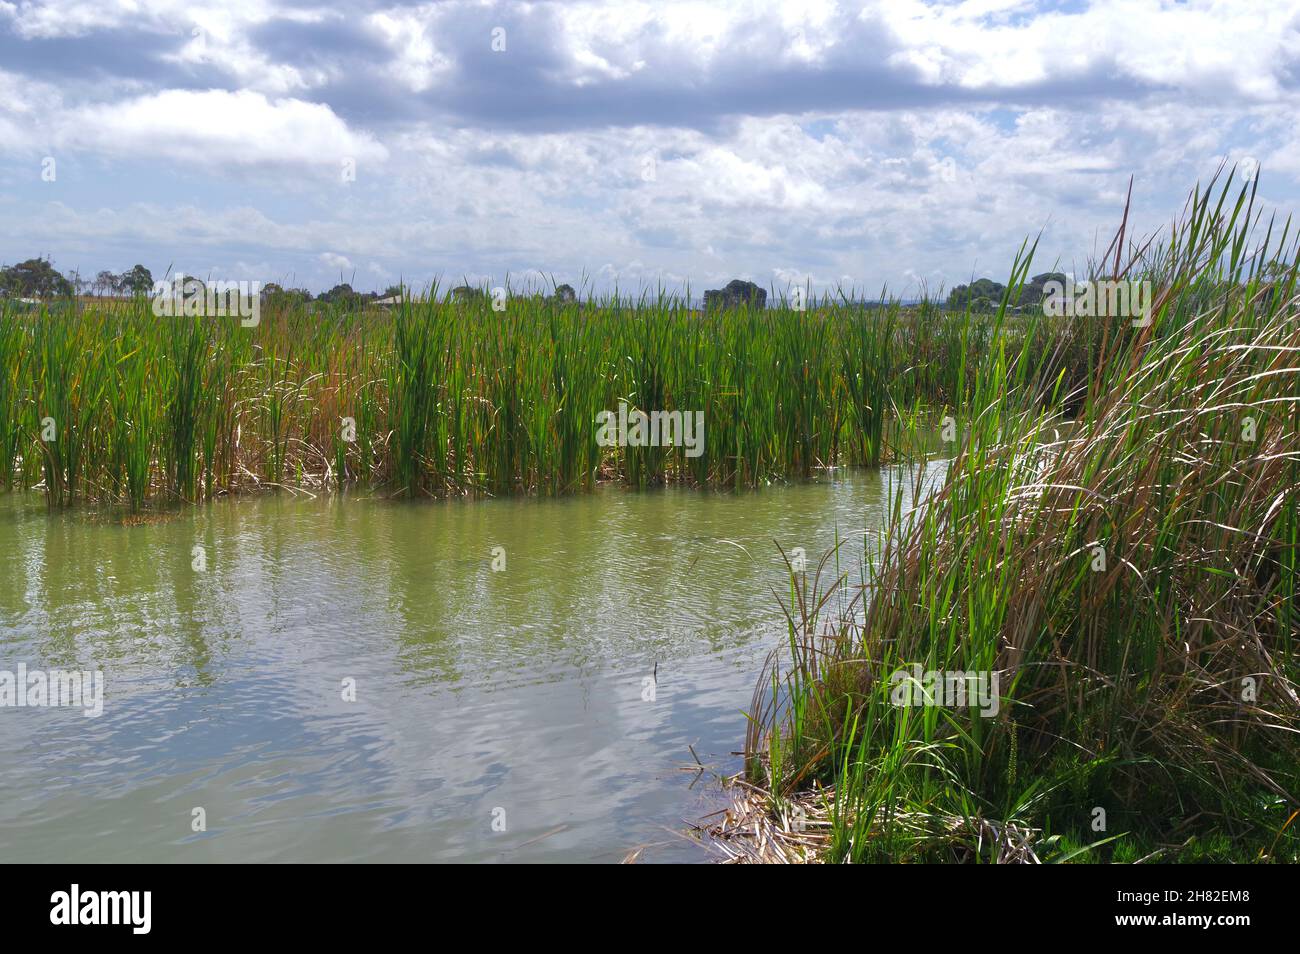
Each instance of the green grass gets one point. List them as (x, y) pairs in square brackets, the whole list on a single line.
[(453, 399), (1121, 683)]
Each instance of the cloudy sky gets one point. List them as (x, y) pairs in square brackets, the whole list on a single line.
[(899, 143)]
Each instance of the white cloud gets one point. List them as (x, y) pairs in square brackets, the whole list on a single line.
[(335, 261), (408, 33), (215, 127)]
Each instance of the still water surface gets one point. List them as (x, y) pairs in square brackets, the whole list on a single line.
[(521, 690)]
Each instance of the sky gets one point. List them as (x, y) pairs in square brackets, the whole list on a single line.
[(900, 145)]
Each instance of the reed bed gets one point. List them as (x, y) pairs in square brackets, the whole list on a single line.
[(1129, 576), (111, 404)]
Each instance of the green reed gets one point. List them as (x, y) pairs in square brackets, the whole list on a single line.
[(480, 397), (1129, 574)]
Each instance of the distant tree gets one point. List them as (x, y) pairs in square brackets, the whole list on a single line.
[(342, 294), (983, 294), (192, 285), (467, 293), (136, 281), (1031, 293), (393, 291), (78, 283), (735, 294), (105, 282), (278, 298), (565, 294), (34, 278)]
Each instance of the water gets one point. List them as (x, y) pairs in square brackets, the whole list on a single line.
[(518, 696)]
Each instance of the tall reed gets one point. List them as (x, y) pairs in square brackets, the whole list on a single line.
[(1129, 576), (491, 396)]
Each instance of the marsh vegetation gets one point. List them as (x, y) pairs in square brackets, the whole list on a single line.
[(1130, 577), (1114, 535)]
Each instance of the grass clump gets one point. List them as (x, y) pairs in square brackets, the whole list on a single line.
[(1129, 576)]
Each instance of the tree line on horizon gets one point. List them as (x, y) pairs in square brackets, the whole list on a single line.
[(38, 278)]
